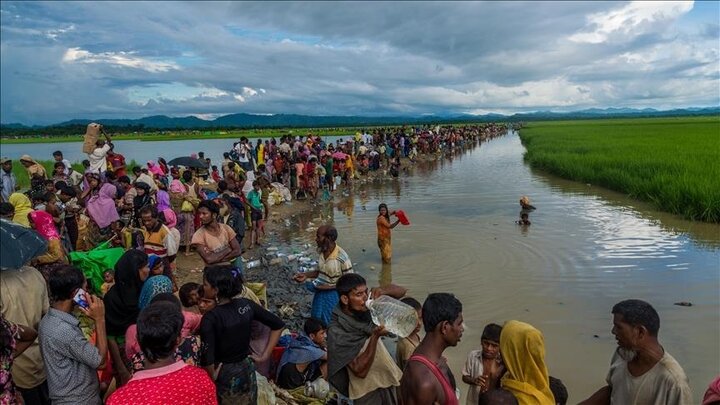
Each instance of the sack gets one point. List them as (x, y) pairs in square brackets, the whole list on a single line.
[(91, 136)]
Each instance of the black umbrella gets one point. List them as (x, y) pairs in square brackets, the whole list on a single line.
[(18, 245), (188, 161)]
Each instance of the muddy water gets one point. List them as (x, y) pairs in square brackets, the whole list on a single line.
[(586, 249)]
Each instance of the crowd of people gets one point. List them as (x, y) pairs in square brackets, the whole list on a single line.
[(138, 337)]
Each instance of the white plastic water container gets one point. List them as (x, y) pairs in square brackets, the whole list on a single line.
[(397, 317)]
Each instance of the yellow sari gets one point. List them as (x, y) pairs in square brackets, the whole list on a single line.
[(523, 351)]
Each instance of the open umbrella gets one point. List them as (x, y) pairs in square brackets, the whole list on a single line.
[(339, 155), (187, 161), (18, 245)]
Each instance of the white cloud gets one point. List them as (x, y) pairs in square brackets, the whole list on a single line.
[(249, 91), (635, 18), (124, 59), (54, 34)]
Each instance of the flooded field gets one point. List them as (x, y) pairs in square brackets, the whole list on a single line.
[(587, 248)]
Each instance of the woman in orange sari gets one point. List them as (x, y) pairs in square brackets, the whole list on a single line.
[(383, 227)]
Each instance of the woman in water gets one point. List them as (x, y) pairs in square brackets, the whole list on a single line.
[(383, 227)]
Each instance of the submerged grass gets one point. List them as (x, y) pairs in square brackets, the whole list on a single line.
[(672, 162)]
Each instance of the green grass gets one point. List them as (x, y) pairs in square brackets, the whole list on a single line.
[(23, 181), (673, 163), (190, 134)]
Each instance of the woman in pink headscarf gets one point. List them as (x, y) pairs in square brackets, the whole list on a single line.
[(43, 223), (155, 169), (99, 200)]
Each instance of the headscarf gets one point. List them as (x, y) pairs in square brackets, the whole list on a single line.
[(712, 395), (176, 186), (101, 206), (44, 225), (142, 200), (121, 301), (170, 218), (35, 168), (155, 169), (523, 351), (163, 200), (153, 286), (23, 207)]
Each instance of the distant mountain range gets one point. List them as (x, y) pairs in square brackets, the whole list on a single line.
[(243, 120)]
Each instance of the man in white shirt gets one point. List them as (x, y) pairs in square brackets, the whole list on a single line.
[(58, 156), (641, 371), (98, 157), (244, 154)]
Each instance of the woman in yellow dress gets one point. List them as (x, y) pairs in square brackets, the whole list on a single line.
[(383, 227)]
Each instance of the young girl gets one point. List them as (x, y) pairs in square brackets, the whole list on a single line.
[(256, 215)]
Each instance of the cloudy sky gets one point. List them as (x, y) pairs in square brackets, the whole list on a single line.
[(64, 60)]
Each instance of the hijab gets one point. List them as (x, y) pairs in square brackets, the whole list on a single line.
[(121, 301), (523, 351), (163, 200), (44, 225), (153, 286), (34, 168), (142, 200), (170, 218), (23, 207), (154, 168), (101, 206)]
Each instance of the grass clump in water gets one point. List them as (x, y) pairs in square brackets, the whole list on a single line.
[(672, 162)]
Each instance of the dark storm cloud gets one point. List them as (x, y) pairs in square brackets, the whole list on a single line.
[(63, 60)]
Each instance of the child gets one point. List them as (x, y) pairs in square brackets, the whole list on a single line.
[(215, 174), (484, 368), (189, 295), (109, 278), (524, 219), (205, 305), (155, 263), (258, 225), (406, 346)]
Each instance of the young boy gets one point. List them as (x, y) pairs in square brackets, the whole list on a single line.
[(305, 358), (484, 368), (406, 346)]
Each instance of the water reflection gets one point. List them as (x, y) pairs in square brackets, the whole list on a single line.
[(700, 232), (385, 275)]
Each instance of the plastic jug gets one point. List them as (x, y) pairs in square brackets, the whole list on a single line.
[(398, 318)]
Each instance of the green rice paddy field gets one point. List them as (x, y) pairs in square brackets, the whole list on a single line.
[(672, 162)]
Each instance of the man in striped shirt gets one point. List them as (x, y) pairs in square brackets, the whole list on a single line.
[(157, 239), (333, 263)]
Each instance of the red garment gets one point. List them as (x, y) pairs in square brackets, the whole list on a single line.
[(216, 176), (176, 384), (115, 161), (448, 391)]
